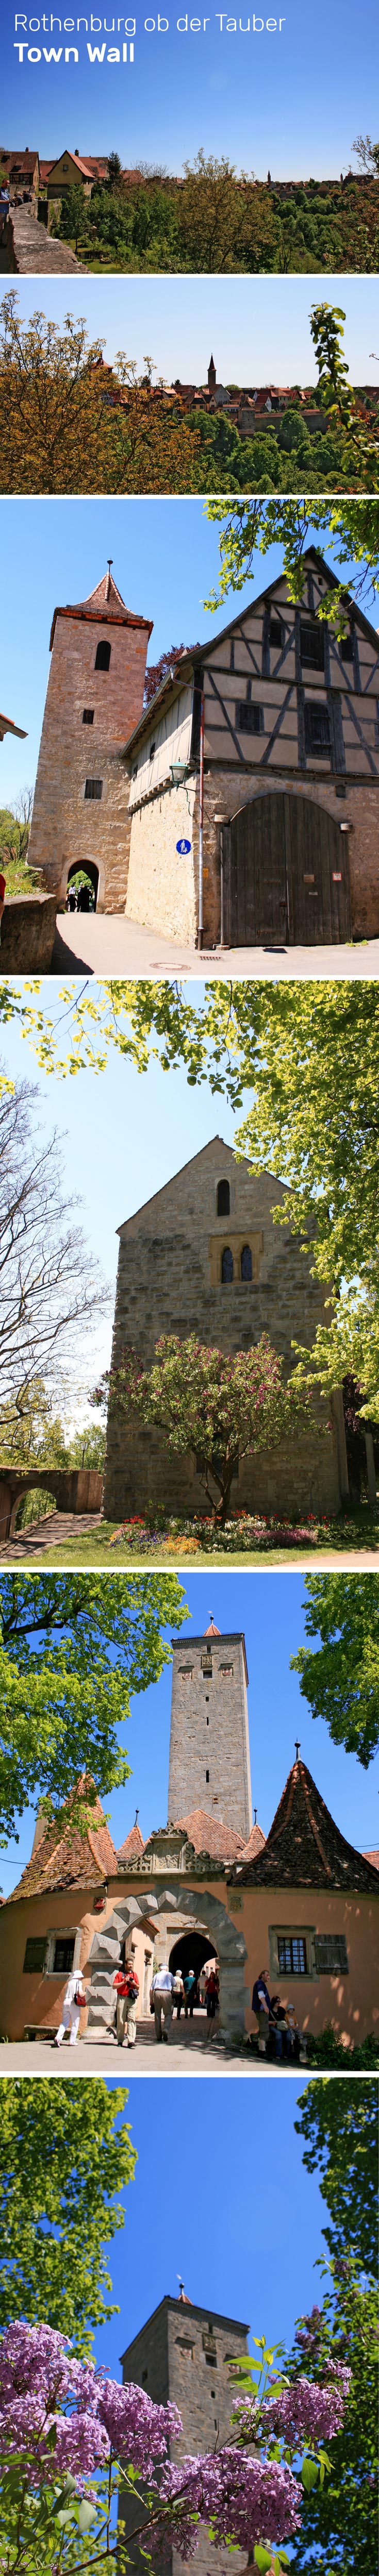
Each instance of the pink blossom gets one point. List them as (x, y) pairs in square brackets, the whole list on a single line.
[(138, 2430), (303, 2412), (244, 2499)]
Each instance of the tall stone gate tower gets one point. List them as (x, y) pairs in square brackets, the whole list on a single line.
[(182, 2356), (94, 698), (209, 1741)]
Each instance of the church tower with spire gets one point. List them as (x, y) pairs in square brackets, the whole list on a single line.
[(94, 698), (209, 1741)]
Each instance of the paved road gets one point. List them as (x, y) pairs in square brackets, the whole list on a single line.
[(108, 944), (52, 1530), (37, 254), (104, 2058)]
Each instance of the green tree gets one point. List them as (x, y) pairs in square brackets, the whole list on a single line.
[(65, 2156), (341, 1680), (223, 1408), (350, 528), (339, 2125), (74, 1652), (75, 216)]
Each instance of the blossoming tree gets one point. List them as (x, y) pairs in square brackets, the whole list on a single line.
[(220, 1405), (73, 2443)]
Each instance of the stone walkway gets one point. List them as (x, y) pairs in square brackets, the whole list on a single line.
[(52, 1530), (37, 254), (102, 2057), (107, 944)]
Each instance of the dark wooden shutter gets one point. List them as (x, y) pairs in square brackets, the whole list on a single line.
[(331, 1957)]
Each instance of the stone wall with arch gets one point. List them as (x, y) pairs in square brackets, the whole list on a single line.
[(207, 1913)]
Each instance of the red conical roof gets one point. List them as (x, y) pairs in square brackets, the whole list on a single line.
[(304, 1847), (66, 1858), (212, 1631)]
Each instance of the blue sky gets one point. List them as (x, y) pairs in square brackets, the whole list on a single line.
[(243, 2227), (269, 1607), (257, 327), (293, 101), (165, 563)]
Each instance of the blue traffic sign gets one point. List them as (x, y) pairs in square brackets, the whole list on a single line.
[(183, 847)]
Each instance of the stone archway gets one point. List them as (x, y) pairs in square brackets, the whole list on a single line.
[(208, 1914)]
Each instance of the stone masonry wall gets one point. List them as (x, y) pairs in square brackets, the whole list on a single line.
[(181, 2355), (66, 826), (209, 1738), (164, 1285), (164, 891)]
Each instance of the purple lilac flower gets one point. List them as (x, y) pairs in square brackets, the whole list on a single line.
[(304, 2412), (245, 2500), (138, 2430)]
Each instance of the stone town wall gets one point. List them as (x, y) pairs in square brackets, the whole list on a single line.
[(66, 826), (164, 1285), (161, 884), (209, 1736), (181, 2356), (160, 893)]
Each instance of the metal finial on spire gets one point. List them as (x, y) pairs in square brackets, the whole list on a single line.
[(297, 1747), (109, 561), (255, 1815), (136, 1816)]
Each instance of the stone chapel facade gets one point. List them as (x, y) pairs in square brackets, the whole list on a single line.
[(291, 771), (205, 1256)]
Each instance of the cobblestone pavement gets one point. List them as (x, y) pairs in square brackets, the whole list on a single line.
[(108, 944), (36, 252), (51, 1530)]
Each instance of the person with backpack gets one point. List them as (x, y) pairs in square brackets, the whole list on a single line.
[(127, 1992), (74, 2001)]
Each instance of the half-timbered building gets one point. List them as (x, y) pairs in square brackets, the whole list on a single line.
[(291, 779)]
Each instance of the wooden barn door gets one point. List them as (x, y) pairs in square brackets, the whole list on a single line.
[(286, 875)]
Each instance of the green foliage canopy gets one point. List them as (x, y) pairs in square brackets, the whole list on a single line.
[(341, 1678), (75, 1648), (339, 2125), (65, 2155)]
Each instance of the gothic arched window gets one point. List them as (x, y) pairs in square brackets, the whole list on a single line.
[(226, 1265), (103, 656), (246, 1262), (223, 1199)]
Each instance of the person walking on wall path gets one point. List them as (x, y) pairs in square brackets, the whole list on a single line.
[(127, 1990), (162, 1994), (72, 2006)]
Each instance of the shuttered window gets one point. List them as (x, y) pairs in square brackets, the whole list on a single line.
[(312, 647), (34, 1956), (317, 728), (249, 719), (331, 1957)]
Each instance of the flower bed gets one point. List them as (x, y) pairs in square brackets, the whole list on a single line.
[(243, 1531)]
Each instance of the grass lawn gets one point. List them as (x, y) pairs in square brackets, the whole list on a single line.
[(359, 1529)]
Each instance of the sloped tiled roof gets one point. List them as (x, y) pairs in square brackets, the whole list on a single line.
[(256, 1843), (373, 1858), (66, 1858), (132, 1848), (209, 1835), (304, 1847), (103, 602)]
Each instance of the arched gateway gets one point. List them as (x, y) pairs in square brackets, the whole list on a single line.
[(286, 873), (207, 1913)]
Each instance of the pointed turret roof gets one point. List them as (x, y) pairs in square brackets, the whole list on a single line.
[(66, 1858), (104, 603), (256, 1843), (212, 1631), (304, 1847), (132, 1848)]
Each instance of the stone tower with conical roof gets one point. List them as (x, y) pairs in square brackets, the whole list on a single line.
[(94, 698), (209, 1740)]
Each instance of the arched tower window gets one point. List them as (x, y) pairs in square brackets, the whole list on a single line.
[(102, 659), (223, 1199), (226, 1265), (246, 1262)]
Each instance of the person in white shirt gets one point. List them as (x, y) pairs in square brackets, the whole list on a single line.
[(162, 1993), (71, 2011)]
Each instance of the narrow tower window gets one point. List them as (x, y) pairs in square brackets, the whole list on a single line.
[(223, 1199), (88, 715), (94, 788), (226, 1266), (102, 658), (246, 1262)]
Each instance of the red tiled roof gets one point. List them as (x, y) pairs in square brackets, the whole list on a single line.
[(210, 1836), (131, 1848), (255, 1843), (373, 1858), (64, 1857), (304, 1847), (212, 1631), (103, 602)]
